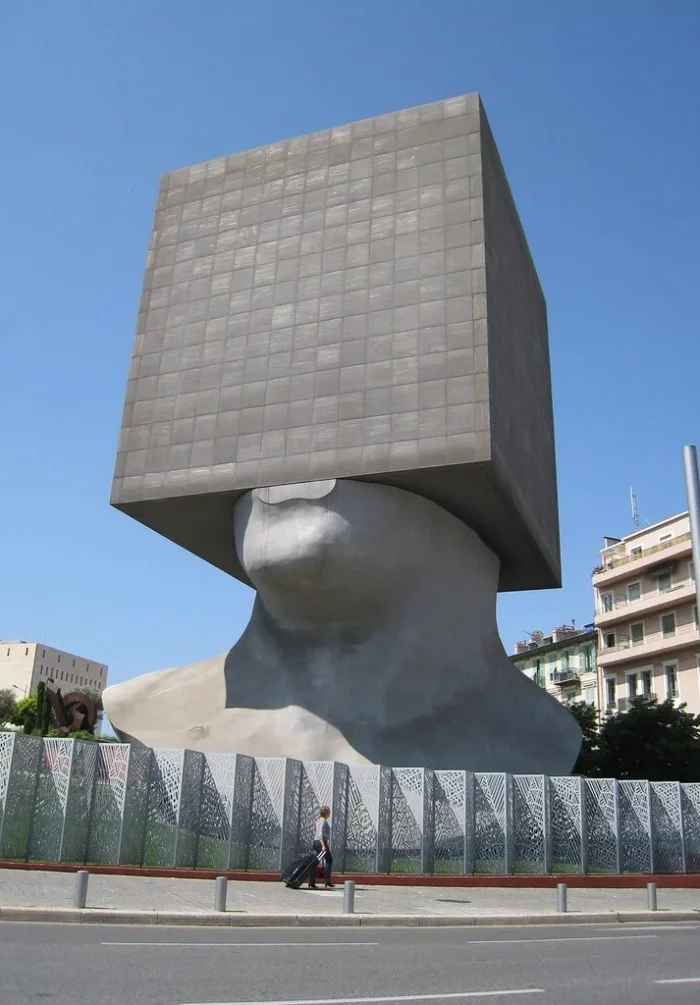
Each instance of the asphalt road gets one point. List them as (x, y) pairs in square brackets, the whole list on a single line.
[(119, 965)]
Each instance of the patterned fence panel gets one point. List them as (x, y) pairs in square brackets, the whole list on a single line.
[(107, 817), (291, 811), (492, 816), (453, 811), (339, 805), (132, 845), (190, 810), (81, 791), (218, 784), (602, 825), (19, 766), (174, 797), (368, 818), (316, 782), (667, 827), (267, 816), (410, 823), (530, 816), (242, 812), (690, 806), (567, 804), (51, 800), (635, 827)]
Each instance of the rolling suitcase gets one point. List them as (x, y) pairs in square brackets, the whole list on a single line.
[(300, 870)]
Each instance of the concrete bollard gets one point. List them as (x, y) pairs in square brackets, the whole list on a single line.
[(651, 896), (561, 898), (80, 889), (349, 897), (220, 893)]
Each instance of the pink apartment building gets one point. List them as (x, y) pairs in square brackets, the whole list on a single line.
[(646, 617)]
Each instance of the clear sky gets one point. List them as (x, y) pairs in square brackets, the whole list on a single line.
[(596, 110)]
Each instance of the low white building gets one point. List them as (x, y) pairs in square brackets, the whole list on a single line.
[(24, 664)]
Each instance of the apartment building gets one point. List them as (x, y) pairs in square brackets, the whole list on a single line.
[(646, 617), (563, 663), (24, 664)]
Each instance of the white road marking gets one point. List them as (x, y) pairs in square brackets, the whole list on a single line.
[(680, 980), (668, 927), (566, 938), (389, 998), (239, 945)]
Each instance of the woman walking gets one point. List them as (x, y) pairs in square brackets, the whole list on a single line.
[(322, 843)]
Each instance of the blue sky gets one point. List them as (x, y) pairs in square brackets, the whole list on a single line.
[(596, 110)]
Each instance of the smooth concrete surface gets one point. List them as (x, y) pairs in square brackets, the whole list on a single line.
[(373, 639), (592, 965), (357, 303)]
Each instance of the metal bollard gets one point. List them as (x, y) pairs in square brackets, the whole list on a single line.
[(561, 898), (651, 896), (220, 892), (349, 897), (80, 889)]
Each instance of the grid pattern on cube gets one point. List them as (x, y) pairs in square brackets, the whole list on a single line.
[(312, 308)]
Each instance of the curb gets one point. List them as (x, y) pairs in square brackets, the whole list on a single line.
[(108, 916)]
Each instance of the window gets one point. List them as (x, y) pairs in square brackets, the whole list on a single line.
[(59, 657), (664, 582), (632, 681), (73, 662), (589, 695), (691, 572), (588, 658), (671, 680), (695, 614), (636, 552), (646, 683), (634, 592), (665, 538), (26, 651), (609, 640), (539, 676), (43, 654), (607, 602), (668, 625), (610, 691), (637, 633)]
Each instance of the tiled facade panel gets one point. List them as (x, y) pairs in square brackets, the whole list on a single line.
[(317, 308)]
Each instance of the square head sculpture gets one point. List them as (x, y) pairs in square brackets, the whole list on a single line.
[(358, 303)]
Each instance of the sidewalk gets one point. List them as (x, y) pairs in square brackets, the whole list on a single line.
[(47, 896)]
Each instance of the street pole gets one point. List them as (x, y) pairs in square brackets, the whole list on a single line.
[(692, 488)]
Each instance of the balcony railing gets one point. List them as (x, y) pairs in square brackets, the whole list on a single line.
[(565, 676), (647, 599), (612, 561)]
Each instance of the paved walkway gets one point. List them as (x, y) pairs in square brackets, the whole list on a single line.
[(196, 896)]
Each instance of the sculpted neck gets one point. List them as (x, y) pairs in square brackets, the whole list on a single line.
[(387, 659)]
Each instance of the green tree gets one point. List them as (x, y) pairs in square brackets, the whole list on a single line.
[(41, 702), (83, 734), (653, 740), (8, 706), (586, 716), (25, 713)]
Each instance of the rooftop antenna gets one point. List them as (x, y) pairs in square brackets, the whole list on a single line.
[(635, 512)]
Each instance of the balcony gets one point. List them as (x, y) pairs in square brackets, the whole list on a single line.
[(628, 610), (624, 566), (565, 676), (654, 644)]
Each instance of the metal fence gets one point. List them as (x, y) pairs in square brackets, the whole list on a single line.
[(113, 804)]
